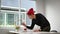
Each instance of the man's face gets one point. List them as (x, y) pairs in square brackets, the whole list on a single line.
[(30, 16)]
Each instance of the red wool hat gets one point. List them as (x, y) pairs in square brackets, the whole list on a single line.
[(31, 11)]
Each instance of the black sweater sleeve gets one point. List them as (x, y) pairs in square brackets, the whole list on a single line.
[(32, 25)]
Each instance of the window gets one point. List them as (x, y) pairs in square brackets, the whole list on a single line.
[(23, 17), (2, 18), (7, 19), (10, 19), (27, 4), (10, 10), (16, 19), (10, 3)]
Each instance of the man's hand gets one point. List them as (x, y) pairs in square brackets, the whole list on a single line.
[(24, 24)]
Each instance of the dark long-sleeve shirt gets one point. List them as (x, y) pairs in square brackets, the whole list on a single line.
[(40, 21)]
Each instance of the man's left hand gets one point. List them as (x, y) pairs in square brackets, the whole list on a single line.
[(24, 24), (36, 30)]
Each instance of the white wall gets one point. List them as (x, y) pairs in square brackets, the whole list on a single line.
[(51, 9), (53, 13), (40, 7)]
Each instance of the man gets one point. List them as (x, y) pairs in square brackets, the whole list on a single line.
[(39, 20)]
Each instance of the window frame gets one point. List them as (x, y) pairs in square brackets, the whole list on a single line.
[(5, 13)]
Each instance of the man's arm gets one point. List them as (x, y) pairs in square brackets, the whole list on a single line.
[(32, 26)]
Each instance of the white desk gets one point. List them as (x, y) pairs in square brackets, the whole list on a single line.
[(39, 33), (14, 32), (33, 32)]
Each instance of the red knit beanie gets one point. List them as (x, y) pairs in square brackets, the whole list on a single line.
[(31, 11)]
